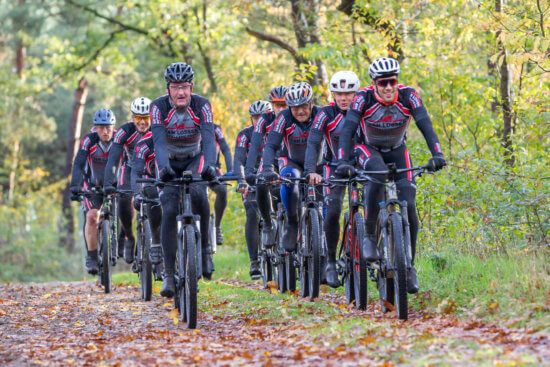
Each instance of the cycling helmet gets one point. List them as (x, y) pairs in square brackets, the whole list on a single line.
[(383, 67), (178, 72), (344, 81), (140, 106), (298, 94), (259, 107), (277, 94), (104, 117)]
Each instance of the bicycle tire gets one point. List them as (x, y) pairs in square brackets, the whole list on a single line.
[(347, 276), (105, 257), (265, 265), (399, 262), (314, 260), (282, 285), (360, 271), (304, 252), (190, 256), (146, 273)]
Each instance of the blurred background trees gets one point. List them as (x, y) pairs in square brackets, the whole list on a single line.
[(481, 67)]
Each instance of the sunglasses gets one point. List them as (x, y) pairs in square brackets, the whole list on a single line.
[(175, 88), (385, 82), (141, 118)]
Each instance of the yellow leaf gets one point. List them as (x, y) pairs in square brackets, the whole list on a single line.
[(137, 313), (167, 304), (77, 323), (47, 295)]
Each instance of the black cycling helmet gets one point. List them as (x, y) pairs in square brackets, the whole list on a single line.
[(298, 94), (179, 72), (104, 117), (277, 94)]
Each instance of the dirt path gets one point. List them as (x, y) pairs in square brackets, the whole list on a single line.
[(75, 323)]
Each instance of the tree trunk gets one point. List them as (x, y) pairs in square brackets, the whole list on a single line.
[(80, 96), (505, 88)]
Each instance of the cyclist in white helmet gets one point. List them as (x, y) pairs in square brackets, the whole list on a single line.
[(327, 127), (384, 110), (124, 142)]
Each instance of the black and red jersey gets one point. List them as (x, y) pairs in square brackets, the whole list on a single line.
[(384, 125), (90, 161), (144, 160), (258, 140), (222, 147), (184, 133), (242, 147)]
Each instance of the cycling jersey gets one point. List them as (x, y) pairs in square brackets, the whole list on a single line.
[(90, 161), (223, 147), (178, 133), (384, 125), (242, 147), (258, 140), (144, 160), (124, 142), (294, 135)]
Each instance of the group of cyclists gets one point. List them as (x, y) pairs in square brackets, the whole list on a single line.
[(288, 136)]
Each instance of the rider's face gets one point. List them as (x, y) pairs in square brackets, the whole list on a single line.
[(180, 93), (386, 88), (302, 112), (343, 99), (142, 122), (278, 107), (255, 119), (105, 132)]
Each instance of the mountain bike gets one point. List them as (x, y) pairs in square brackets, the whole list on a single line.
[(311, 249), (142, 264), (188, 267)]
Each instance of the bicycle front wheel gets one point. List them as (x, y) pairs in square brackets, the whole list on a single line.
[(359, 263), (399, 264), (314, 245), (146, 271), (105, 256), (190, 257), (304, 252)]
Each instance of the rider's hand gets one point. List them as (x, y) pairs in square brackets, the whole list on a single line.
[(109, 190), (166, 174), (270, 176), (436, 163), (242, 188), (251, 179), (344, 169), (74, 193), (208, 173), (138, 198), (314, 178)]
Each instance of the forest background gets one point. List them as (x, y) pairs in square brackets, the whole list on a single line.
[(481, 67)]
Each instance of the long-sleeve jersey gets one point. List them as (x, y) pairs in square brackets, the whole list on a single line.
[(294, 135), (327, 126), (384, 125), (90, 161), (223, 147), (124, 142), (242, 147), (178, 133), (144, 160), (258, 140)]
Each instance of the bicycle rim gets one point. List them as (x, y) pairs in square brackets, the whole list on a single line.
[(146, 266), (304, 258), (314, 261), (105, 257), (399, 263), (359, 264)]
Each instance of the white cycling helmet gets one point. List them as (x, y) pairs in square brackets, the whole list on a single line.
[(259, 107), (140, 106), (383, 67), (344, 81), (298, 94)]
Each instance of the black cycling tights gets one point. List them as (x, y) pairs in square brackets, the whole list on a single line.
[(220, 203), (125, 214), (169, 200), (251, 229), (267, 197), (333, 204)]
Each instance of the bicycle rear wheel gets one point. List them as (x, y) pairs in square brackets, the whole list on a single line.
[(190, 256), (146, 271), (265, 264), (105, 256), (399, 263), (314, 246), (346, 260), (359, 264)]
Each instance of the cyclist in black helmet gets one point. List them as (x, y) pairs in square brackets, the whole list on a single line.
[(88, 171), (183, 133)]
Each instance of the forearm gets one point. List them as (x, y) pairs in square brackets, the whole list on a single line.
[(160, 141), (226, 151), (273, 143), (314, 143), (253, 152), (78, 168), (239, 162), (138, 167), (112, 165), (425, 126), (208, 143), (345, 143)]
